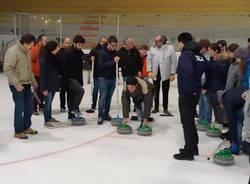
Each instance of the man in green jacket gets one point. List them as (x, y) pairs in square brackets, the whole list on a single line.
[(17, 67), (142, 93)]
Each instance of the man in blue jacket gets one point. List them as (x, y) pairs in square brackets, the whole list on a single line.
[(191, 65), (106, 61)]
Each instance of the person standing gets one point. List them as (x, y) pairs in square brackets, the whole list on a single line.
[(93, 56), (161, 64), (191, 66), (107, 59), (49, 79), (63, 57), (17, 68), (75, 87), (41, 41), (130, 60)]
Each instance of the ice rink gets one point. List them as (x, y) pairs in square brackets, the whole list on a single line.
[(93, 154)]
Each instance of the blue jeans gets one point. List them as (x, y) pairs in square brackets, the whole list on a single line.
[(95, 94), (205, 109), (47, 106), (23, 108), (140, 112), (106, 89), (239, 121)]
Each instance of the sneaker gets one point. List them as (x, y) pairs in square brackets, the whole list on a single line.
[(234, 149), (71, 115), (53, 120), (36, 113), (30, 131), (48, 125), (21, 136), (77, 112), (155, 111), (63, 109), (150, 119), (107, 118), (224, 135), (100, 121), (185, 155)]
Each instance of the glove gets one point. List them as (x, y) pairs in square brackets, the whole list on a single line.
[(172, 77), (151, 75)]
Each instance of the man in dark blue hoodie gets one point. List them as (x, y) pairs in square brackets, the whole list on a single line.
[(106, 62), (191, 65)]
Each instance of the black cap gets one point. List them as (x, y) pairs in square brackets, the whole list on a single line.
[(248, 39), (131, 80)]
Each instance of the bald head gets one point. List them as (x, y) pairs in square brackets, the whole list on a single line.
[(67, 42), (129, 43), (159, 41)]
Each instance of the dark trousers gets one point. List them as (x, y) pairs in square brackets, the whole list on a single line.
[(233, 102), (39, 94), (75, 94), (95, 94), (48, 106), (23, 108), (165, 90), (218, 112), (106, 88), (63, 92), (187, 105)]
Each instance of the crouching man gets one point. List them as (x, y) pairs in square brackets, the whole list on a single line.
[(142, 93)]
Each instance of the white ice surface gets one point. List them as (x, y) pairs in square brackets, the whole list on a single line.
[(94, 154)]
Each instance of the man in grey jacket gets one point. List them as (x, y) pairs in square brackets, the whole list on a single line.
[(161, 65)]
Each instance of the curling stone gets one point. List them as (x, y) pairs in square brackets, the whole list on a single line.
[(213, 132), (144, 130), (202, 125), (117, 121), (224, 158), (124, 129), (78, 121)]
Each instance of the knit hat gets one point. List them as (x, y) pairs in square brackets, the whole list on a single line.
[(131, 80), (241, 53)]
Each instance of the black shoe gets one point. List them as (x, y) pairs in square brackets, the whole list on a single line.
[(224, 135), (155, 111), (71, 115), (100, 122), (134, 118), (90, 111), (166, 113), (107, 118), (185, 155), (195, 152), (150, 119), (225, 125), (36, 113)]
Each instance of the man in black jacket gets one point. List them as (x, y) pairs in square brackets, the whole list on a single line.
[(93, 54), (76, 90), (130, 60), (191, 65), (106, 62), (63, 57)]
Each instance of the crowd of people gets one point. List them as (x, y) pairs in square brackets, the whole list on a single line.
[(215, 76)]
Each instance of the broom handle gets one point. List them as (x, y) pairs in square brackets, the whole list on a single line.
[(117, 83), (91, 80)]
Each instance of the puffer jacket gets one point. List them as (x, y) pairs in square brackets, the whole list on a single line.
[(17, 65)]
